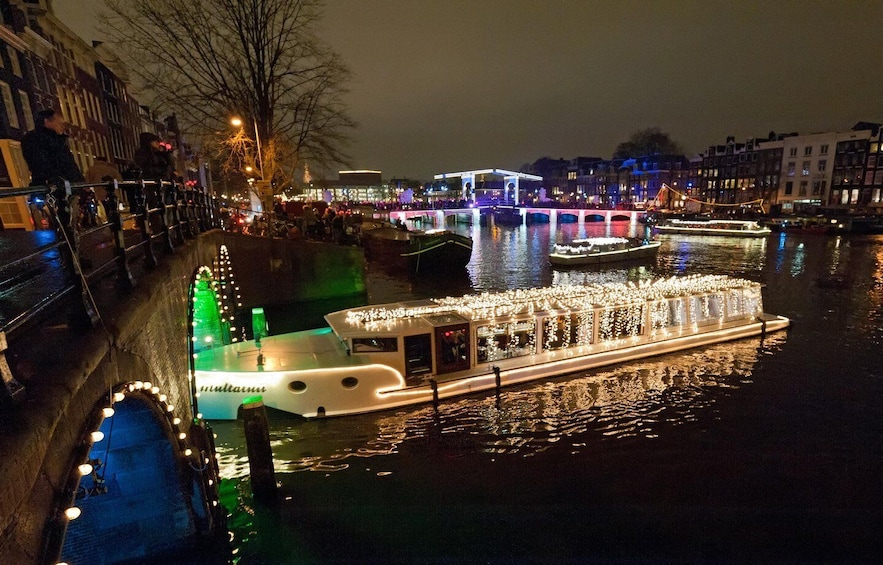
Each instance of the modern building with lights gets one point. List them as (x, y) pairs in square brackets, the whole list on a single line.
[(363, 185)]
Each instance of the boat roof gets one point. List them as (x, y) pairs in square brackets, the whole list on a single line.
[(420, 316), (599, 241)]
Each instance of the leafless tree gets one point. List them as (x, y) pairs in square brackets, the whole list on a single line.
[(260, 60)]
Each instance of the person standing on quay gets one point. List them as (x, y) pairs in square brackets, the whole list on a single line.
[(48, 156), (154, 161)]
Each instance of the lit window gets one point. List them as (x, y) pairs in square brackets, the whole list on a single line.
[(9, 104)]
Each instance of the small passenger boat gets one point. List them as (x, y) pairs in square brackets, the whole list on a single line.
[(386, 356), (417, 251), (599, 250), (737, 228)]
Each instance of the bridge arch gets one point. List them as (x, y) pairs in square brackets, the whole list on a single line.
[(137, 453)]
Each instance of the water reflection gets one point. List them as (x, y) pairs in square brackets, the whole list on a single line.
[(638, 399)]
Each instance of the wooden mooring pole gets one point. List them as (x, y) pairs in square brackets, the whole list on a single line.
[(260, 455)]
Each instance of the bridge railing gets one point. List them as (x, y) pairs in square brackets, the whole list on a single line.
[(72, 249)]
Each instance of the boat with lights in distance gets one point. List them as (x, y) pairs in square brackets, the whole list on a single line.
[(386, 356), (600, 250), (732, 228)]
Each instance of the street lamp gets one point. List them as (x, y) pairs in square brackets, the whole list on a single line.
[(237, 122)]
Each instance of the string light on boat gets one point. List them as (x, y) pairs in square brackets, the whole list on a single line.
[(528, 301)]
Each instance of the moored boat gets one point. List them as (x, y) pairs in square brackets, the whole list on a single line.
[(733, 228), (599, 250), (380, 357), (416, 251)]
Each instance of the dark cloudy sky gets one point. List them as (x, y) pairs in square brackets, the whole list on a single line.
[(448, 85)]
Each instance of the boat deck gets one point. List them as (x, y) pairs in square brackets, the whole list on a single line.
[(298, 351)]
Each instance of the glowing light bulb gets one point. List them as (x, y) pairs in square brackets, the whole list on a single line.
[(162, 397), (119, 397), (170, 407), (96, 436), (84, 469), (107, 412), (182, 436), (176, 421), (188, 452), (72, 513)]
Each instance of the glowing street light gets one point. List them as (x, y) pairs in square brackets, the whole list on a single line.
[(237, 122)]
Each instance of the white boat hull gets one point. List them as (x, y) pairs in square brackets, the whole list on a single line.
[(364, 386)]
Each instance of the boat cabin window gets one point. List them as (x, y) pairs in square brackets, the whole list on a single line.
[(617, 323), (753, 301), (567, 331), (706, 309), (736, 305), (668, 313), (506, 340), (452, 348), (418, 358), (375, 344)]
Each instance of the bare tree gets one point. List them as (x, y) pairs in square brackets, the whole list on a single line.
[(650, 141), (260, 60)]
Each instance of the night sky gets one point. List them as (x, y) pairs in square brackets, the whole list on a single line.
[(449, 85)]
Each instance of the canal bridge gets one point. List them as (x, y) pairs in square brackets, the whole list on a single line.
[(105, 455), (518, 214)]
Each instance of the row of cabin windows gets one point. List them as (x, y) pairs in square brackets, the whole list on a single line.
[(514, 339)]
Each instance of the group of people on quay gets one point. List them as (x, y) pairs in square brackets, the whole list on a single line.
[(295, 219), (50, 160)]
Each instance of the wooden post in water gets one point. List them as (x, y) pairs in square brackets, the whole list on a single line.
[(260, 455), (434, 385), (496, 377)]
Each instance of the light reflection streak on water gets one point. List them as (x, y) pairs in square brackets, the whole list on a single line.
[(798, 261), (638, 399)]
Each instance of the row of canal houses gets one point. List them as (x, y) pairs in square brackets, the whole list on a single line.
[(832, 172), (44, 64)]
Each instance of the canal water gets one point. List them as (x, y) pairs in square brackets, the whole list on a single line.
[(757, 450)]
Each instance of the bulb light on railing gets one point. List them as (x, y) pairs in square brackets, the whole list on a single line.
[(119, 396), (84, 469), (72, 513), (107, 412), (96, 436)]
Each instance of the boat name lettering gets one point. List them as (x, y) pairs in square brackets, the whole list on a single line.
[(227, 387)]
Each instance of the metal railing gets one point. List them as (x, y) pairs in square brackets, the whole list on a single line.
[(40, 270)]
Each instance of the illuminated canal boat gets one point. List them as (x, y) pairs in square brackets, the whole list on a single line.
[(385, 356), (600, 250), (732, 228)]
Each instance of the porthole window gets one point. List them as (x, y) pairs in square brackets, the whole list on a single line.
[(297, 386), (350, 382)]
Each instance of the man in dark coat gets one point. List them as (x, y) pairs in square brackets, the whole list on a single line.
[(46, 151), (154, 161)]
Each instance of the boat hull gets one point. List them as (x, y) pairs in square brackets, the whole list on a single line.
[(417, 253), (363, 386), (631, 254)]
